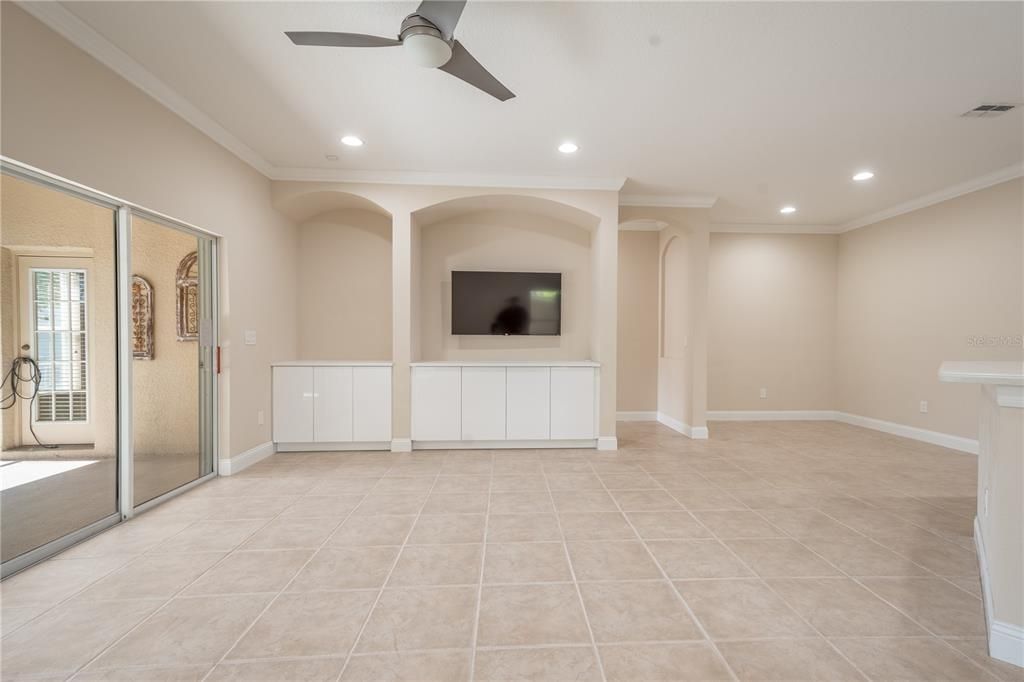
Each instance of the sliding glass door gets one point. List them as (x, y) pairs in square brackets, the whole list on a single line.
[(108, 351), (171, 368), (58, 332)]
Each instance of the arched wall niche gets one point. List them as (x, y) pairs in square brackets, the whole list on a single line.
[(303, 203), (414, 210), (502, 236), (344, 284)]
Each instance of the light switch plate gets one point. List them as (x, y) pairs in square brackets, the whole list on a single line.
[(250, 337)]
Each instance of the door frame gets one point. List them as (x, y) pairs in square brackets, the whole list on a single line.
[(210, 389)]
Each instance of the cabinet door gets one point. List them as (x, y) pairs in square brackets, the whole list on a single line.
[(528, 398), (293, 404), (436, 403), (332, 404), (572, 402), (483, 403), (372, 409)]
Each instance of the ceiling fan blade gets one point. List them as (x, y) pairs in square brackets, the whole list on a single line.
[(442, 13), (462, 65), (329, 39)]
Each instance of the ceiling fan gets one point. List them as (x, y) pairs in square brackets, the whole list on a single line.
[(426, 36)]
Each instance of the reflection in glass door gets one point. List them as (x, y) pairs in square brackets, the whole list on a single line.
[(171, 326), (107, 352), (58, 338)]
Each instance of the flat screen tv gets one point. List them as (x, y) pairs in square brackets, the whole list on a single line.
[(506, 303)]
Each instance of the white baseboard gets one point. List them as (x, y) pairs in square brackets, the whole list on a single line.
[(503, 444), (1005, 640), (636, 416), (244, 460), (770, 415), (693, 432), (333, 447), (607, 443), (924, 435), (401, 445)]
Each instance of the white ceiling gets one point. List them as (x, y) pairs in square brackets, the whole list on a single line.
[(758, 104)]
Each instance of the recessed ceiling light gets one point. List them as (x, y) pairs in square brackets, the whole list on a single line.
[(863, 175), (786, 210), (351, 141), (568, 148)]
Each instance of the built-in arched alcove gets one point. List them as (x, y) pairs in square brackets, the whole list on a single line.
[(344, 297), (502, 233)]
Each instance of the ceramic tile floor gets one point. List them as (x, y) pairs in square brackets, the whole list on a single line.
[(777, 551)]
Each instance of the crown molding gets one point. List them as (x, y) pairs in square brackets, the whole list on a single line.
[(87, 39), (643, 225), (772, 228), (973, 185), (428, 178), (669, 201)]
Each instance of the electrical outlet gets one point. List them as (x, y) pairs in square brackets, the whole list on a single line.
[(924, 407), (764, 393), (259, 417)]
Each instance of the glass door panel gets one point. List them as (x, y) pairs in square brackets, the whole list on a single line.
[(169, 370), (58, 353)]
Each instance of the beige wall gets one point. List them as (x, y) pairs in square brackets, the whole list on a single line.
[(510, 241), (638, 321), (165, 389), (65, 113), (344, 292), (919, 289), (772, 321)]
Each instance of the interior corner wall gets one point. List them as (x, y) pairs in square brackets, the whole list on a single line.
[(944, 282), (638, 322), (65, 113), (344, 290), (772, 321)]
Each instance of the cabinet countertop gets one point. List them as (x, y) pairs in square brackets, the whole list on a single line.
[(332, 363)]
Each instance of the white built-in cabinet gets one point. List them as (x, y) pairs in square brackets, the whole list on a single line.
[(437, 403), (331, 403), (492, 402), (528, 403)]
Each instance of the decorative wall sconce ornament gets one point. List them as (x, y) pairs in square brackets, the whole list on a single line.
[(142, 319), (188, 298)]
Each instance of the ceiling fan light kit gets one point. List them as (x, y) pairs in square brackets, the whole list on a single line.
[(428, 38), (425, 47)]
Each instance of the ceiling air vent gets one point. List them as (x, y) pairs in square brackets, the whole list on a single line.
[(988, 110)]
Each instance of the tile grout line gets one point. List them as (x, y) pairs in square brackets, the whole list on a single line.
[(284, 589), (858, 582), (772, 589), (480, 582), (163, 606), (757, 576), (387, 579), (664, 574), (575, 582)]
